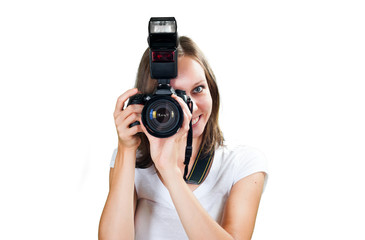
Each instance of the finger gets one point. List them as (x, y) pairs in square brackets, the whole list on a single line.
[(187, 117), (124, 120), (134, 130), (144, 130), (187, 120), (184, 107), (122, 98), (134, 108), (131, 119), (125, 132), (184, 129)]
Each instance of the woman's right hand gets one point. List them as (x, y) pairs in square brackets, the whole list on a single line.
[(127, 137)]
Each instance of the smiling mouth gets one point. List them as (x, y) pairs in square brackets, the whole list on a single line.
[(195, 120)]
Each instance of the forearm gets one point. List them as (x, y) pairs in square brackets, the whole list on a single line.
[(117, 219), (198, 224)]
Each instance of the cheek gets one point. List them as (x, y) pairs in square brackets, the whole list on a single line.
[(206, 106)]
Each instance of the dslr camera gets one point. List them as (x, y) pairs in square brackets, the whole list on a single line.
[(162, 115)]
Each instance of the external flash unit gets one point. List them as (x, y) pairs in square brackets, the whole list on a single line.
[(163, 42)]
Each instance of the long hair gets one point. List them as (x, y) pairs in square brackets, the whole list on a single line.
[(212, 135)]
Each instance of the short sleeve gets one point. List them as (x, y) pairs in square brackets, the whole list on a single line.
[(112, 161), (249, 160)]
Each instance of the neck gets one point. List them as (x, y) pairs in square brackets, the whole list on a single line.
[(196, 147)]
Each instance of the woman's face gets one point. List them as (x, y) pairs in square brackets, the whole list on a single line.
[(191, 79)]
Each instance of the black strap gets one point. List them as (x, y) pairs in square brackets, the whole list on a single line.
[(201, 164), (200, 168), (189, 141)]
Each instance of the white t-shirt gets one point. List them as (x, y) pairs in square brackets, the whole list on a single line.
[(156, 217)]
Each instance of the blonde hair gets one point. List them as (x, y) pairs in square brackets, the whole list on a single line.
[(212, 136)]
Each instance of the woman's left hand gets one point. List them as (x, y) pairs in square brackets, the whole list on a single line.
[(166, 152)]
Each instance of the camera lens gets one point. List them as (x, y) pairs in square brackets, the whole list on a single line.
[(162, 116)]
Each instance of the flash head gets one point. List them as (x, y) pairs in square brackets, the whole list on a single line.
[(163, 42), (158, 25)]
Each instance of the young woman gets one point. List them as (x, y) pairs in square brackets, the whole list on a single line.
[(148, 197)]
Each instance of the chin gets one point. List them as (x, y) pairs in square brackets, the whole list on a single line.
[(198, 130)]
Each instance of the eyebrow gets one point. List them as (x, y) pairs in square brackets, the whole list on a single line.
[(200, 82)]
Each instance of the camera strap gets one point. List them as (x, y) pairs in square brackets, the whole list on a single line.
[(189, 141), (200, 167), (202, 162)]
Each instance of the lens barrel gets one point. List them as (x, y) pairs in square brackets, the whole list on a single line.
[(162, 116)]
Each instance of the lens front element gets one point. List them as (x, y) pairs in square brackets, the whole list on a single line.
[(162, 116)]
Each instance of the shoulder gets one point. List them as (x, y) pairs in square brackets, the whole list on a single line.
[(249, 180), (241, 154), (242, 160)]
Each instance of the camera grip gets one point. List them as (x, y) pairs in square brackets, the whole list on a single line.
[(134, 124), (136, 99)]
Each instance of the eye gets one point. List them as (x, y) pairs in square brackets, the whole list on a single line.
[(198, 89)]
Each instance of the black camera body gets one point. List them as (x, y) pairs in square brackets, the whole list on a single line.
[(162, 115)]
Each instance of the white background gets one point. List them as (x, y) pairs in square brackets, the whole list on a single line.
[(291, 79)]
